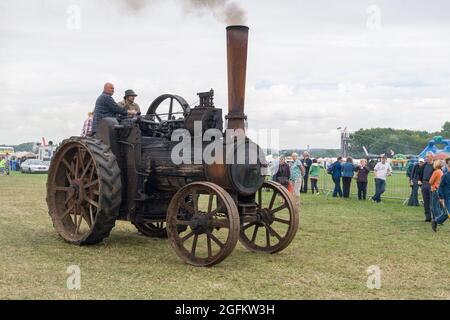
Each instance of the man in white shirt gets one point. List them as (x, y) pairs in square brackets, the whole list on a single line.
[(381, 170)]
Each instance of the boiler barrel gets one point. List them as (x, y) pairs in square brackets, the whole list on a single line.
[(163, 174)]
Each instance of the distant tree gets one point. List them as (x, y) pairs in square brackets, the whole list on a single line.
[(382, 140), (315, 153), (445, 133), (28, 146)]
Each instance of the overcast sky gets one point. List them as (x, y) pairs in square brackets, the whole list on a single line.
[(313, 65)]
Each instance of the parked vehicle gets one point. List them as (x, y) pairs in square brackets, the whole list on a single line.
[(34, 166)]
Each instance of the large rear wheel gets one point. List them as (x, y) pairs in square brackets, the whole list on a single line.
[(84, 190)]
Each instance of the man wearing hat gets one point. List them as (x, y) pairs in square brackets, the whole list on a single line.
[(128, 102)]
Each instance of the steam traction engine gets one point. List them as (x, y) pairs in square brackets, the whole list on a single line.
[(127, 172)]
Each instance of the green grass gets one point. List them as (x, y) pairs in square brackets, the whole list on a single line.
[(337, 241)]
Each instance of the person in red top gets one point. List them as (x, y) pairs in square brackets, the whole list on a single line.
[(435, 180), (87, 126)]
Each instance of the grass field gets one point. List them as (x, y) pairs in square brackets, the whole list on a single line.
[(337, 241)]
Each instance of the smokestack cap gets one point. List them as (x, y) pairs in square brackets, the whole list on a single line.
[(237, 26)]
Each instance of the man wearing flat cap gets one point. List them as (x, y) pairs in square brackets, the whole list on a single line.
[(128, 102)]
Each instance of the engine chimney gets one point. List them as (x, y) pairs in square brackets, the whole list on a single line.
[(237, 41)]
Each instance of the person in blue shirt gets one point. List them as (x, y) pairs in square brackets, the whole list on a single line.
[(297, 171), (336, 171), (106, 107), (347, 172), (444, 197)]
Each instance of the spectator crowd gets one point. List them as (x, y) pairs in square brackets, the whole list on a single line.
[(8, 164), (430, 176)]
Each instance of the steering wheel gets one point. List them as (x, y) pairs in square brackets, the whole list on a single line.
[(152, 110)]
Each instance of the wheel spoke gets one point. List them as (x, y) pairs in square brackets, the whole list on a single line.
[(220, 223), (195, 201), (169, 116), (91, 175), (69, 179), (86, 168), (186, 237), (75, 218), (70, 197), (284, 205), (215, 211), (64, 189), (67, 211), (194, 245), (272, 200), (76, 158), (255, 233), (187, 207), (90, 184), (85, 216), (213, 237), (182, 222), (281, 220), (267, 236), (248, 225), (208, 243), (78, 224), (80, 158), (273, 232), (89, 200), (68, 166), (210, 202)]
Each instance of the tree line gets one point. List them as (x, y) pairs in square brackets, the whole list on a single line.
[(383, 140), (28, 147)]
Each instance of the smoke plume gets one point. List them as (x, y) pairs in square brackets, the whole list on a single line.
[(223, 10), (134, 5)]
